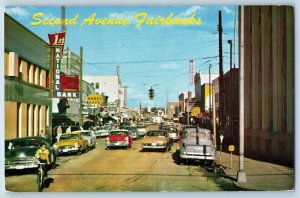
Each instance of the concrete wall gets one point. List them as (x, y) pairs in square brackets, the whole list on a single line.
[(269, 82)]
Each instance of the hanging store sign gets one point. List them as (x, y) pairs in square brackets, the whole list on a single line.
[(57, 39), (69, 83), (63, 86)]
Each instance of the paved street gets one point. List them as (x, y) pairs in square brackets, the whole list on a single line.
[(102, 170)]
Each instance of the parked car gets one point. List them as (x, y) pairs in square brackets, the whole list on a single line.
[(72, 142), (133, 131), (183, 127), (119, 138), (156, 139), (104, 131), (197, 144), (90, 137), (19, 152), (141, 130)]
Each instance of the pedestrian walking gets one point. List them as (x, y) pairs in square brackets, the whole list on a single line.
[(58, 133)]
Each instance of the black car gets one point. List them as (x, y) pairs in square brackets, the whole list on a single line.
[(19, 152)]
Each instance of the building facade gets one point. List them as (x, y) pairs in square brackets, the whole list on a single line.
[(267, 56), (109, 86), (205, 99), (27, 72), (203, 91), (172, 108)]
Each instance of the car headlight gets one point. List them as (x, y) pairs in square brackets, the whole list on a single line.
[(76, 145)]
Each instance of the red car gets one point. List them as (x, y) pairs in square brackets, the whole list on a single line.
[(119, 138)]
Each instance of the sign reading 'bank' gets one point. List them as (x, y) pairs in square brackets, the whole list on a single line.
[(57, 41)]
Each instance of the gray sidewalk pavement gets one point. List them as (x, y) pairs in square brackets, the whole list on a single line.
[(260, 176)]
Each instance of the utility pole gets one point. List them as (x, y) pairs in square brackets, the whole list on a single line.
[(63, 18), (230, 89), (187, 111), (221, 83), (214, 118), (241, 174), (80, 86)]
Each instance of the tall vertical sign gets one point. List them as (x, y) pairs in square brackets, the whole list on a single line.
[(64, 86), (56, 70), (191, 72)]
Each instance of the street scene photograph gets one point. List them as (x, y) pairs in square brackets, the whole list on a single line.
[(149, 98)]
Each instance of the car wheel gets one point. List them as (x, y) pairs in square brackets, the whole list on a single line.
[(53, 161)]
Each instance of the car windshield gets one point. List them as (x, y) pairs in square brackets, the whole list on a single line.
[(156, 133), (69, 136), (26, 143), (118, 133)]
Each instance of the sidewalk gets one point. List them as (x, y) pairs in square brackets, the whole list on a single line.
[(261, 176)]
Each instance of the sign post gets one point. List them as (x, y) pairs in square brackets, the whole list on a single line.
[(231, 149)]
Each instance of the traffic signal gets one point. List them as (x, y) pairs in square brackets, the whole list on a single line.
[(151, 93)]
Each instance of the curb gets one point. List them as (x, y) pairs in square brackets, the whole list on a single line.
[(224, 173)]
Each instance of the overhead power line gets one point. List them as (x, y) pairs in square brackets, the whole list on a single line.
[(148, 61)]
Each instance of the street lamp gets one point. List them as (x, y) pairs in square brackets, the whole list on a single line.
[(230, 44)]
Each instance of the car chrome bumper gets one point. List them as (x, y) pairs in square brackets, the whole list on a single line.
[(154, 147), (197, 156), (116, 144), (20, 166), (68, 150)]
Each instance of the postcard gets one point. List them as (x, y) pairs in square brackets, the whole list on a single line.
[(149, 98)]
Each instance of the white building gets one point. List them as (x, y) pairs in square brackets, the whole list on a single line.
[(205, 77), (109, 86)]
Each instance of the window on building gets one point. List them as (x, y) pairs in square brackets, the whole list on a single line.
[(216, 97), (97, 85), (93, 85), (37, 75), (12, 64), (47, 79), (6, 63)]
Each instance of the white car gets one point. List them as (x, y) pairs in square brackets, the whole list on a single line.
[(104, 131), (90, 137), (197, 144), (141, 130)]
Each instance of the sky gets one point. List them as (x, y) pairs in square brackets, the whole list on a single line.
[(156, 55)]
